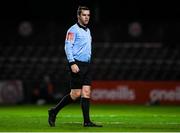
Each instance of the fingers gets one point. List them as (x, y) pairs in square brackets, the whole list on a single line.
[(75, 68)]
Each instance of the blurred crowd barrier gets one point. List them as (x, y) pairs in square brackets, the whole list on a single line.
[(11, 92), (136, 92), (103, 92)]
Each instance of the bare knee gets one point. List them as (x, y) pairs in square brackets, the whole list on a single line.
[(86, 91), (75, 93)]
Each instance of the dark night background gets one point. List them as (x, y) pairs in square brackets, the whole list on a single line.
[(114, 9), (151, 14)]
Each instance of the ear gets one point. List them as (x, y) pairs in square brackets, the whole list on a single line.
[(78, 16)]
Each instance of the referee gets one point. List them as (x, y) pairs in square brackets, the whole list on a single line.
[(78, 52)]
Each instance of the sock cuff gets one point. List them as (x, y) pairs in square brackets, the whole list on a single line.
[(84, 98)]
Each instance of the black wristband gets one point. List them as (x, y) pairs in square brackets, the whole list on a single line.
[(72, 63)]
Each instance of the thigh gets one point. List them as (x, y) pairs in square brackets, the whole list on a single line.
[(87, 79), (75, 80)]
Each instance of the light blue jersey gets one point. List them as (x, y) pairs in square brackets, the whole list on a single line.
[(78, 44)]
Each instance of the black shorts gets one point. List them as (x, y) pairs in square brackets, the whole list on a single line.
[(83, 77)]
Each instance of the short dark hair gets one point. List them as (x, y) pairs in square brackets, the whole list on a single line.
[(80, 8)]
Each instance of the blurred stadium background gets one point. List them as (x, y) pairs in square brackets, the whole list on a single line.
[(136, 51)]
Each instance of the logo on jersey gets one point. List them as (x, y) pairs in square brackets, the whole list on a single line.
[(70, 36)]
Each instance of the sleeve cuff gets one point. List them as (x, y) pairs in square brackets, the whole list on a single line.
[(72, 63)]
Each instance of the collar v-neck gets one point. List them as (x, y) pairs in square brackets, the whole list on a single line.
[(85, 28)]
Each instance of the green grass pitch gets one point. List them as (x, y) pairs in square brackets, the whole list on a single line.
[(114, 118)]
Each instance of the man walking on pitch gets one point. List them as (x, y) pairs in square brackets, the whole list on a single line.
[(78, 52)]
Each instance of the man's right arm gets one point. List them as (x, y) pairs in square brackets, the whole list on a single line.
[(70, 37)]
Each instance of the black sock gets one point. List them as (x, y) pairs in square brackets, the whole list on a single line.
[(85, 104), (64, 101)]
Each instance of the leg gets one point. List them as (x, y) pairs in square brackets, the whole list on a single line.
[(85, 104), (67, 99), (75, 86)]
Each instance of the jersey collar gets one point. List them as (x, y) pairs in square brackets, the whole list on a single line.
[(85, 28)]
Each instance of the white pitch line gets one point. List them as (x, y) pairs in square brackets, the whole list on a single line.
[(117, 122), (96, 122), (75, 116), (114, 116)]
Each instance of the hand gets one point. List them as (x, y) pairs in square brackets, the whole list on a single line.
[(75, 68)]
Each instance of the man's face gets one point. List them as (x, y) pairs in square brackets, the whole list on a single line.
[(84, 17)]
